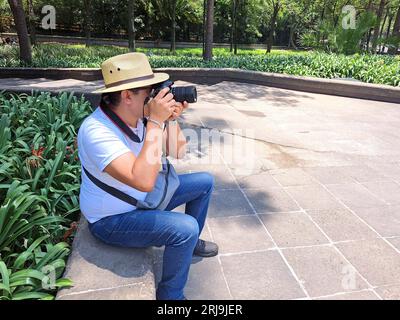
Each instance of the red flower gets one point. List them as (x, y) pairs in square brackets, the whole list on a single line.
[(39, 152)]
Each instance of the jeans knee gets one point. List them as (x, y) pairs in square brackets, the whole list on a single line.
[(187, 230), (207, 179)]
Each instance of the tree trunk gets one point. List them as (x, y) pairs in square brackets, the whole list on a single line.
[(368, 39), (323, 12), (291, 34), (378, 24), (25, 50), (173, 28), (291, 43), (382, 47), (383, 23), (235, 35), (233, 26), (396, 30), (131, 26), (335, 18), (88, 21), (188, 32), (31, 19), (208, 52), (276, 6), (389, 26), (204, 25)]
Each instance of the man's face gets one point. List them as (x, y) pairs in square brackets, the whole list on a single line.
[(135, 100), (144, 93)]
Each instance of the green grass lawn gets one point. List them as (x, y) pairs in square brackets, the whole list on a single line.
[(367, 68)]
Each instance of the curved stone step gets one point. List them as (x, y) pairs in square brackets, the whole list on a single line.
[(103, 272)]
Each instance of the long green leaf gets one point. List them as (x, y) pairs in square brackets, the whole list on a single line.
[(33, 295), (20, 261), (63, 282), (5, 279), (57, 161), (56, 250), (25, 274)]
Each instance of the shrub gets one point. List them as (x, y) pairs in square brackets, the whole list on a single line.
[(364, 67), (39, 184)]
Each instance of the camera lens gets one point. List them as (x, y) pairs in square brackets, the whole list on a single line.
[(182, 94)]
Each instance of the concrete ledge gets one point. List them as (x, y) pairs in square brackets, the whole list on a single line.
[(94, 99), (84, 74), (54, 87), (103, 272), (345, 88)]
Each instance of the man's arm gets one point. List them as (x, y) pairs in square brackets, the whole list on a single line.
[(141, 172), (175, 140)]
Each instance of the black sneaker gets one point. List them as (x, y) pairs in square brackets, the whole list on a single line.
[(205, 249)]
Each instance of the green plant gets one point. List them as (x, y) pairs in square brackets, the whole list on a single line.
[(347, 41), (39, 185), (363, 67)]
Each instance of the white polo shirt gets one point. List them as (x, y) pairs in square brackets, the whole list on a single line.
[(100, 142)]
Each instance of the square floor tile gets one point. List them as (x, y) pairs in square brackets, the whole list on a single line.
[(257, 181), (374, 259), (355, 196), (395, 242), (360, 295), (314, 198), (387, 191), (385, 220), (292, 177), (292, 229), (341, 225), (329, 175), (260, 276), (389, 292), (228, 203), (238, 234), (323, 270), (206, 281), (271, 200)]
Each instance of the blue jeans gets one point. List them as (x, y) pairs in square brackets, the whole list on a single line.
[(178, 232)]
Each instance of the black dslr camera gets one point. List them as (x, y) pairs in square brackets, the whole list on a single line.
[(181, 94)]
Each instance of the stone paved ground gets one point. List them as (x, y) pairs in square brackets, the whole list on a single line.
[(307, 199), (310, 209)]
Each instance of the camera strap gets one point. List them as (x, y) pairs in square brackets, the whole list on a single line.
[(111, 190), (122, 125)]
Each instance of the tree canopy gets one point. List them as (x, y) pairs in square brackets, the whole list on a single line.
[(293, 23)]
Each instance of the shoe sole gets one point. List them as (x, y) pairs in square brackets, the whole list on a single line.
[(213, 254)]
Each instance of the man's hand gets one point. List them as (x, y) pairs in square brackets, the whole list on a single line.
[(178, 110), (161, 107)]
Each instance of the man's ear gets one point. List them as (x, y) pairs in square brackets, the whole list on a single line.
[(126, 96)]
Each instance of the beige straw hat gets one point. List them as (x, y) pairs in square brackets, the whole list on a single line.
[(128, 71)]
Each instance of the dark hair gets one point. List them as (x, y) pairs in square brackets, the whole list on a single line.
[(110, 99), (113, 99)]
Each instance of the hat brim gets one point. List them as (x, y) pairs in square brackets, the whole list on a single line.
[(158, 78)]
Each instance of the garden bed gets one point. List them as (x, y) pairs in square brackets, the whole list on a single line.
[(39, 191), (367, 68)]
